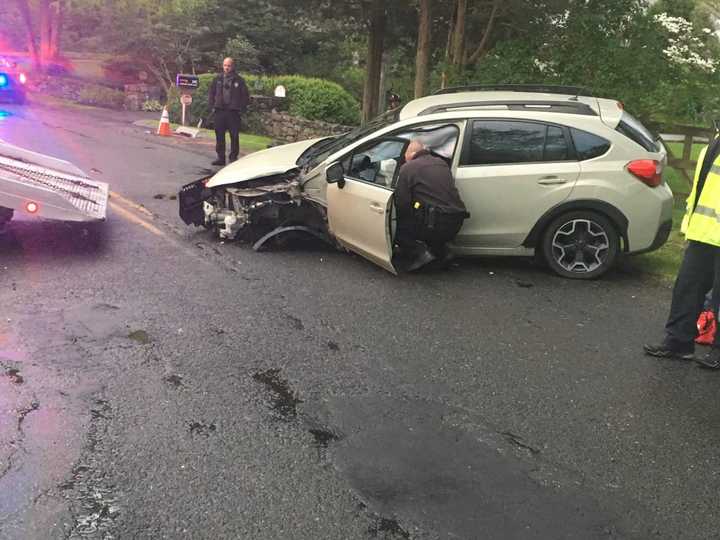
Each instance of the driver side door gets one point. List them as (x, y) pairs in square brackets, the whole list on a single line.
[(360, 206)]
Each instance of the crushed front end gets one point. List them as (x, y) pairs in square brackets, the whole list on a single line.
[(261, 204)]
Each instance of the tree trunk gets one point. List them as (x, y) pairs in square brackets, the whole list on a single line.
[(448, 49), (482, 48), (422, 59), (45, 31), (371, 92), (24, 9), (458, 47), (58, 14)]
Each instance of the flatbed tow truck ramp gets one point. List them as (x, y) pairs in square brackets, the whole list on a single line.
[(41, 186)]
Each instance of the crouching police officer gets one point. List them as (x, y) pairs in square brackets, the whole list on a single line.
[(430, 210)]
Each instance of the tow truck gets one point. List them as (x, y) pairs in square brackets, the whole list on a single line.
[(41, 186)]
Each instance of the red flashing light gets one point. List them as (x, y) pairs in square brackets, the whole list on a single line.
[(32, 207), (649, 171)]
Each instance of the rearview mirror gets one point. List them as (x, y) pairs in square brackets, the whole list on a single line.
[(335, 173)]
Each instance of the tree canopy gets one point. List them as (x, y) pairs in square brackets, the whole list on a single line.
[(660, 58)]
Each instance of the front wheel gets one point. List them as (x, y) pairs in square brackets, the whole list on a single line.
[(580, 245)]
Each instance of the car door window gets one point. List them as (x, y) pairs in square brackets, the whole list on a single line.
[(494, 142), (376, 163), (556, 145), (439, 139), (379, 162)]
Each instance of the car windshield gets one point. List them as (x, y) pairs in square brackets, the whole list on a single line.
[(320, 151)]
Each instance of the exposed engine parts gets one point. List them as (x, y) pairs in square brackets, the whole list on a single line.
[(230, 210)]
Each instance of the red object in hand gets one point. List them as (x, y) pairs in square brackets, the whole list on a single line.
[(707, 326)]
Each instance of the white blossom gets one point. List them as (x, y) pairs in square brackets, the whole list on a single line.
[(683, 47)]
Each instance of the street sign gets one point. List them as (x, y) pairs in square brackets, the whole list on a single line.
[(186, 99), (190, 82)]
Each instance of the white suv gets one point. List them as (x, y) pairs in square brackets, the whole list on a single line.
[(542, 170)]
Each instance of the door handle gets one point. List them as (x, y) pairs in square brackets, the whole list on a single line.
[(551, 181), (375, 207)]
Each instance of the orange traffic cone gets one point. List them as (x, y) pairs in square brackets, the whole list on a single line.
[(164, 126)]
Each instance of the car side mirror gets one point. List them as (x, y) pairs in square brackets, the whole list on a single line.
[(335, 174)]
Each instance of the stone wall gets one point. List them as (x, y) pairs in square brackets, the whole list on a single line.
[(284, 127), (130, 97), (268, 116)]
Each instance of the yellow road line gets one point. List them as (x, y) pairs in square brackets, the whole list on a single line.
[(127, 214), (132, 204)]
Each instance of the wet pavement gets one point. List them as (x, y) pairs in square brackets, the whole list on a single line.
[(165, 385)]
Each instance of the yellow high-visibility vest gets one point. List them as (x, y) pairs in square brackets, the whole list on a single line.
[(702, 223)]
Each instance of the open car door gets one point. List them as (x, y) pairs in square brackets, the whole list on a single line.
[(359, 216)]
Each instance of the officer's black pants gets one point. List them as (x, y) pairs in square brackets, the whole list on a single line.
[(699, 272), (227, 120), (445, 229)]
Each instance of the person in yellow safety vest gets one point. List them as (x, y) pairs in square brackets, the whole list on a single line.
[(700, 269)]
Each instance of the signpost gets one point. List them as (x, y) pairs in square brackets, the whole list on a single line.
[(185, 99), (187, 84)]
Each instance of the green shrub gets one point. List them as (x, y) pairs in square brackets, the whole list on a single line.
[(152, 105), (101, 96), (318, 99), (314, 99)]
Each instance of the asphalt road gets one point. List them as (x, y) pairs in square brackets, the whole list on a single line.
[(166, 385)]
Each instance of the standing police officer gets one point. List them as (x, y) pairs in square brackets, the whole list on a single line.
[(228, 98), (430, 210), (700, 269)]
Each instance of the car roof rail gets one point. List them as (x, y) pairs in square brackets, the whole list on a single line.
[(569, 107), (543, 88)]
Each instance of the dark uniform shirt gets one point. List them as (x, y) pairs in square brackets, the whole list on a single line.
[(427, 179)]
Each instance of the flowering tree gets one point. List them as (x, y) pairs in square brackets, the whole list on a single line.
[(684, 47)]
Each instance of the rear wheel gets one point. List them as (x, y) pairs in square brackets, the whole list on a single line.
[(580, 245)]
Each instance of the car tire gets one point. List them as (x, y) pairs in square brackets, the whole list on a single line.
[(580, 245)]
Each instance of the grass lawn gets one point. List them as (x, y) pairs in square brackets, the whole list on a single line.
[(248, 141)]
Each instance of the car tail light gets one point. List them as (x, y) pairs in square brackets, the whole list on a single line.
[(23, 78), (648, 171), (32, 207)]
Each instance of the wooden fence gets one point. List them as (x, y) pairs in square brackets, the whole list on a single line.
[(690, 135)]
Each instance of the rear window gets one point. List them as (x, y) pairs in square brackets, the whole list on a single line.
[(633, 129), (587, 145)]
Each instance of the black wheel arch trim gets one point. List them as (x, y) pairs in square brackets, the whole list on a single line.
[(615, 216)]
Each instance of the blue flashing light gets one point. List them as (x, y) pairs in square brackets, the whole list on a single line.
[(3, 80)]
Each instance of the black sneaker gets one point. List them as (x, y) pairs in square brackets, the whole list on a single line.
[(219, 162), (711, 360), (421, 259), (667, 350)]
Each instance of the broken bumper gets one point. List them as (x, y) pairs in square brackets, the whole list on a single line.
[(190, 200)]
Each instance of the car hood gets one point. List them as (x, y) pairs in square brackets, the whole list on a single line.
[(267, 162)]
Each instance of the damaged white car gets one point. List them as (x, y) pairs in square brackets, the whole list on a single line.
[(542, 170)]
